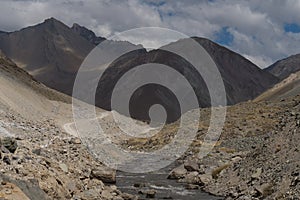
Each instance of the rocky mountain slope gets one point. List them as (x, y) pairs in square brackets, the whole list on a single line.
[(256, 157), (38, 159), (288, 87), (242, 79), (265, 165), (284, 68), (52, 53)]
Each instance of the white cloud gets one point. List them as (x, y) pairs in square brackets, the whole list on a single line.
[(260, 61), (256, 26)]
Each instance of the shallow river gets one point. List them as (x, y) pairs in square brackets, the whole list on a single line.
[(165, 188)]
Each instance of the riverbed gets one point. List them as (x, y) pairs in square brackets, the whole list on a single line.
[(165, 188)]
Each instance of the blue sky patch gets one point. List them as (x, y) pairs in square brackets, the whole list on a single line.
[(292, 28), (224, 37)]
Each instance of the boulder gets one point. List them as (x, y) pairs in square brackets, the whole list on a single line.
[(10, 144), (191, 165), (265, 189), (75, 141), (105, 174), (106, 195), (178, 173), (205, 178), (127, 196), (193, 178), (91, 194), (150, 194)]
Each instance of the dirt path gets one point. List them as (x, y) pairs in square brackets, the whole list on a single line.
[(73, 131)]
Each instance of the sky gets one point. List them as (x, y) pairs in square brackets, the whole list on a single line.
[(262, 31)]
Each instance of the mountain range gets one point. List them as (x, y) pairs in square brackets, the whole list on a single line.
[(52, 53)]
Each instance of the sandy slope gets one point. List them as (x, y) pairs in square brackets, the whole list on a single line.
[(20, 93), (289, 87)]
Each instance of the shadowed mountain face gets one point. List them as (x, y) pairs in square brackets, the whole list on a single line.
[(52, 53), (87, 34), (242, 79), (284, 68)]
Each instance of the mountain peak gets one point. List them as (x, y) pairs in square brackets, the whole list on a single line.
[(87, 34), (51, 20), (75, 25)]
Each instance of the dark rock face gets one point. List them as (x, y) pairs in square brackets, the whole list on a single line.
[(52, 53), (242, 79), (284, 68), (87, 34)]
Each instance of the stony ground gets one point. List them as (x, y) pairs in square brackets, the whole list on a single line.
[(58, 164), (257, 156), (38, 159)]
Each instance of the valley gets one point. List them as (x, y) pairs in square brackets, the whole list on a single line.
[(43, 156)]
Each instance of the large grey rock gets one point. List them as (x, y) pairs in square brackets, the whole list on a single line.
[(193, 178), (264, 190), (191, 165), (105, 174), (177, 173), (30, 188)]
